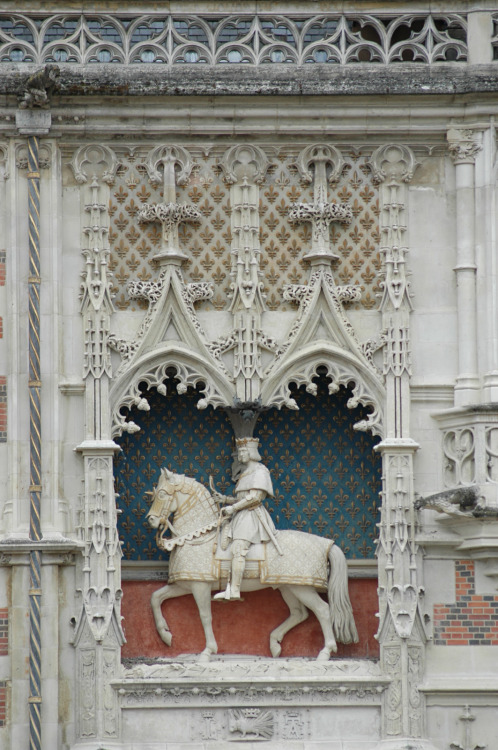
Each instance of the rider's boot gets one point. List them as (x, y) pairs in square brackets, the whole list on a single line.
[(232, 590), (238, 565)]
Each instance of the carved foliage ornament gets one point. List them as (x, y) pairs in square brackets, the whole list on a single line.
[(464, 145), (189, 375)]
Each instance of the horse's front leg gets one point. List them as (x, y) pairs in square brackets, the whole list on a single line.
[(201, 591), (170, 591)]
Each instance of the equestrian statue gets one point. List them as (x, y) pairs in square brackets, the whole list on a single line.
[(216, 538)]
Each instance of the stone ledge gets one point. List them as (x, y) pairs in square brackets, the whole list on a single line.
[(236, 681), (264, 80)]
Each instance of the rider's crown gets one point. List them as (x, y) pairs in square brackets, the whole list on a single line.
[(247, 441)]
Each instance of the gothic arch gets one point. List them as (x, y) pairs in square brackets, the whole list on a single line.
[(152, 368), (343, 368)]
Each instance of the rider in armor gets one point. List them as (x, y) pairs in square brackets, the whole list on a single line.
[(250, 522)]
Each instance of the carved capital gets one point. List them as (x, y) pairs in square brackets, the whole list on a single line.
[(393, 163), (44, 157), (170, 215), (463, 145)]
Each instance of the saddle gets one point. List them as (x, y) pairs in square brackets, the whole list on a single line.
[(256, 552)]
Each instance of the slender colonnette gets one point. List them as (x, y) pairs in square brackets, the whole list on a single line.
[(35, 443)]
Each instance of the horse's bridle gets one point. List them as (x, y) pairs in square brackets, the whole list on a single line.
[(164, 522)]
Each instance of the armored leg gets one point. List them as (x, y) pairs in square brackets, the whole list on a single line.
[(240, 549)]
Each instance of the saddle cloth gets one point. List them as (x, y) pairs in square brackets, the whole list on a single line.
[(256, 552)]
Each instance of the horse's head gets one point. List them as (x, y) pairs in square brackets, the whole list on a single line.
[(164, 500)]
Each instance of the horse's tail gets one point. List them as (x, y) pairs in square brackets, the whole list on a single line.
[(341, 611)]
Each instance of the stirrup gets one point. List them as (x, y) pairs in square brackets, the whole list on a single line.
[(222, 596), (226, 596)]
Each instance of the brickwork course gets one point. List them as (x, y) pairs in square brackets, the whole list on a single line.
[(472, 620)]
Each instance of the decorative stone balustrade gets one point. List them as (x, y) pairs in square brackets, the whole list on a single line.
[(250, 38)]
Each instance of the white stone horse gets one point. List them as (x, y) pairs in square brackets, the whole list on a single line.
[(308, 563)]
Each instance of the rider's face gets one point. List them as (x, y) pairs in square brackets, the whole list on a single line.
[(243, 455)]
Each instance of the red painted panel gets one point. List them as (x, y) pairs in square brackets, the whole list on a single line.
[(240, 627)]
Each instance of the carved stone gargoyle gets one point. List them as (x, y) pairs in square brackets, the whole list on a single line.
[(39, 87), (460, 501)]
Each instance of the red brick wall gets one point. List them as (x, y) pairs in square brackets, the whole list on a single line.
[(470, 621), (4, 632)]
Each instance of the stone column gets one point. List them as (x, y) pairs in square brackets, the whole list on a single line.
[(487, 262), (401, 631), (464, 146), (98, 634), (33, 124)]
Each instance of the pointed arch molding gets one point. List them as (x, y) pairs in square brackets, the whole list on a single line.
[(343, 369), (191, 369)]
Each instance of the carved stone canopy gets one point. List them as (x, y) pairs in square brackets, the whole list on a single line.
[(262, 368)]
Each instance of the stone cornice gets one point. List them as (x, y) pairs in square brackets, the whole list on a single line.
[(264, 80)]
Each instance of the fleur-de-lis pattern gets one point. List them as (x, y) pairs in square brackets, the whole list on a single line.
[(326, 476), (175, 434), (208, 242)]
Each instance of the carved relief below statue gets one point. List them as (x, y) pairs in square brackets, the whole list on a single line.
[(296, 563)]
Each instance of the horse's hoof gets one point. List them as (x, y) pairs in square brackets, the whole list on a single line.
[(166, 636), (276, 649), (204, 656), (324, 655)]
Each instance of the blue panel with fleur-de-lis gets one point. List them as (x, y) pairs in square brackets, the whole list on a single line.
[(175, 434), (326, 476)]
